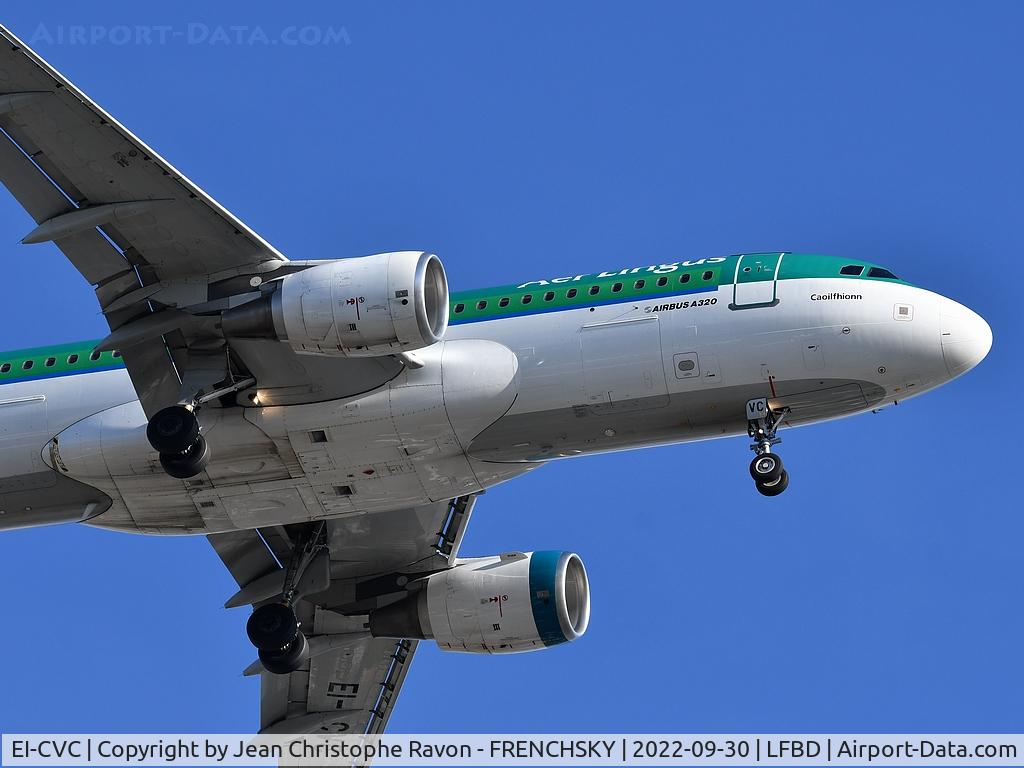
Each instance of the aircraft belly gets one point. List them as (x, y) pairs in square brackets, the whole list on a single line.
[(694, 415), (396, 447)]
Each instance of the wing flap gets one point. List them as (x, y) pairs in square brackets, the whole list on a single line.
[(29, 185), (93, 256)]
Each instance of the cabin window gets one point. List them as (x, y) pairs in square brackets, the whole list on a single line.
[(549, 296), (94, 356), (527, 298), (639, 284), (482, 304), (116, 353), (503, 302), (617, 287), (851, 269), (662, 282), (5, 368), (708, 274), (72, 359), (879, 272), (459, 308), (571, 293), (50, 362), (594, 290), (684, 278), (27, 365)]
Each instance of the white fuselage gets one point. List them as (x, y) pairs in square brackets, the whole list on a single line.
[(491, 401)]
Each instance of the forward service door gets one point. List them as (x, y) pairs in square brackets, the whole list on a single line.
[(622, 365), (756, 280)]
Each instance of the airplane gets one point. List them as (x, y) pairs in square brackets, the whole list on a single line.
[(330, 425)]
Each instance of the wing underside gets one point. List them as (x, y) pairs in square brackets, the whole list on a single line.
[(164, 257), (351, 682)]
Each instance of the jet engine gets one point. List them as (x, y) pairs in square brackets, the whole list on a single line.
[(506, 604), (359, 307)]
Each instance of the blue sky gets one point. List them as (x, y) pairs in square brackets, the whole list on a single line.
[(880, 593)]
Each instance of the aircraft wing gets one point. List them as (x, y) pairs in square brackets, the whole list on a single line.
[(158, 249), (351, 682)]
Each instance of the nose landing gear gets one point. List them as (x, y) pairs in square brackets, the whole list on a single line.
[(770, 477)]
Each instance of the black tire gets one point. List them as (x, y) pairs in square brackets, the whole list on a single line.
[(774, 489), (287, 660), (187, 464), (766, 468), (272, 627), (173, 430)]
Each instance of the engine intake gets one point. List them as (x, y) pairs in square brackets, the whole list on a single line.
[(360, 307), (507, 604)]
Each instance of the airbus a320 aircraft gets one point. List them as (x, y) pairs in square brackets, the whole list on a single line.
[(328, 425)]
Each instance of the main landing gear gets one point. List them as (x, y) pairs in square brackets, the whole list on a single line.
[(174, 433), (770, 477), (273, 627), (274, 630)]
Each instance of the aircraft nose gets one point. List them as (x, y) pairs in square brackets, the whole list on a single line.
[(966, 337)]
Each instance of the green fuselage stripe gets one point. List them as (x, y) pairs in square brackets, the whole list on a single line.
[(642, 284), (54, 362), (552, 295)]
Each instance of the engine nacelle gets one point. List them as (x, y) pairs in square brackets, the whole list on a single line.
[(506, 604), (360, 307)]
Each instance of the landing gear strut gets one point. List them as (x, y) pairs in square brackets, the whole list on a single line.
[(770, 477), (273, 627)]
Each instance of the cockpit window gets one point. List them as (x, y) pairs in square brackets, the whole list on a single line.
[(879, 272), (852, 269)]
